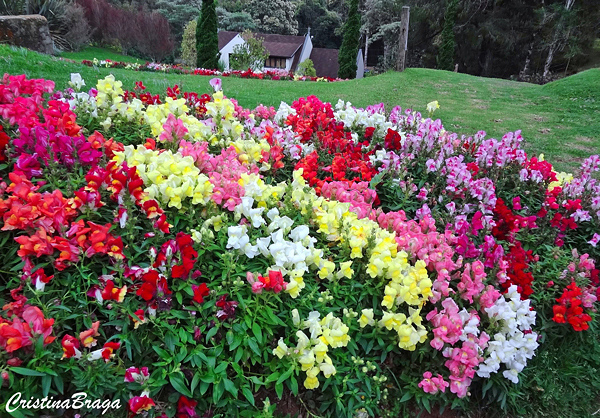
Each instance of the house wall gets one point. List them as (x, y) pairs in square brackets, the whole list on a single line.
[(228, 49), (306, 49)]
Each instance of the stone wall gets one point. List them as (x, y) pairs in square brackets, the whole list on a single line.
[(28, 31)]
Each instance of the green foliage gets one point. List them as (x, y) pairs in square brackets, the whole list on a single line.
[(251, 54), (274, 16), (445, 56), (235, 21), (349, 48), (188, 43), (307, 68), (178, 13), (207, 39), (324, 24)]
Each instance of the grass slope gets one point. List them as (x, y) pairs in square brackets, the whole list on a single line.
[(92, 52), (560, 119)]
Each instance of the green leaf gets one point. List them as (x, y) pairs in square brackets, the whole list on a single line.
[(221, 368), (253, 346), (211, 333), (284, 376), (162, 353), (248, 395), (293, 383), (26, 372), (178, 383), (279, 390), (58, 382), (204, 387), (257, 332), (406, 397), (46, 383), (195, 382), (230, 387), (218, 391)]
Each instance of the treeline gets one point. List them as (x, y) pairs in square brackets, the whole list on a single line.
[(523, 39)]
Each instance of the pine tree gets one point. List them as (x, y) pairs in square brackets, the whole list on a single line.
[(207, 38), (349, 49), (445, 56)]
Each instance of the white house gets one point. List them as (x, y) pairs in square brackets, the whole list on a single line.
[(286, 52)]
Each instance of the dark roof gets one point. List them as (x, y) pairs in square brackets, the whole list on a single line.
[(277, 45), (325, 61), (278, 49), (225, 37)]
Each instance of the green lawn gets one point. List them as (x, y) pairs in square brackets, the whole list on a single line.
[(560, 119), (92, 52)]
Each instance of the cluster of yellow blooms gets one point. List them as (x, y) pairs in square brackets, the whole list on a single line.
[(407, 284), (110, 91), (250, 151), (311, 353), (221, 110), (156, 116), (169, 178), (562, 178)]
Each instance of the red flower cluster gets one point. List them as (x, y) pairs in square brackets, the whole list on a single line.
[(337, 157), (25, 327), (570, 309), (179, 254), (47, 215), (119, 179), (509, 223), (518, 269)]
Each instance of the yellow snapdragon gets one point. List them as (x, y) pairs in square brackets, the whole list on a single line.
[(169, 178), (110, 91)]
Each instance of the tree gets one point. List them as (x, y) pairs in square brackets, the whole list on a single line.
[(446, 52), (235, 21), (251, 54), (349, 49), (188, 43), (324, 24), (274, 16), (307, 68), (382, 22), (207, 38), (178, 13)]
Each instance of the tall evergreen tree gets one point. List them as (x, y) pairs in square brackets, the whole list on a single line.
[(446, 51), (349, 49), (207, 39)]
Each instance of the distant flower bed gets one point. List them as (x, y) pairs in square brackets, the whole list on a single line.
[(177, 69), (191, 257)]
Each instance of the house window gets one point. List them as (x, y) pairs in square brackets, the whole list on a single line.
[(275, 62)]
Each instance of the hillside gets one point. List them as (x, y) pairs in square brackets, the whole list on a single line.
[(560, 119)]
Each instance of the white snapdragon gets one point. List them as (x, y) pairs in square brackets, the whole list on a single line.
[(283, 112), (357, 119), (515, 343)]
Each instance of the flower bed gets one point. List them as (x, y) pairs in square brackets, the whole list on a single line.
[(191, 257), (178, 69)]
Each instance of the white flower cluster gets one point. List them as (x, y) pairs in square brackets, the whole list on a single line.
[(354, 118), (283, 112), (511, 345), (290, 257)]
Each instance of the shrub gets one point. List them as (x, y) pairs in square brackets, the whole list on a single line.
[(135, 31), (188, 44), (307, 68), (79, 30), (251, 54)]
